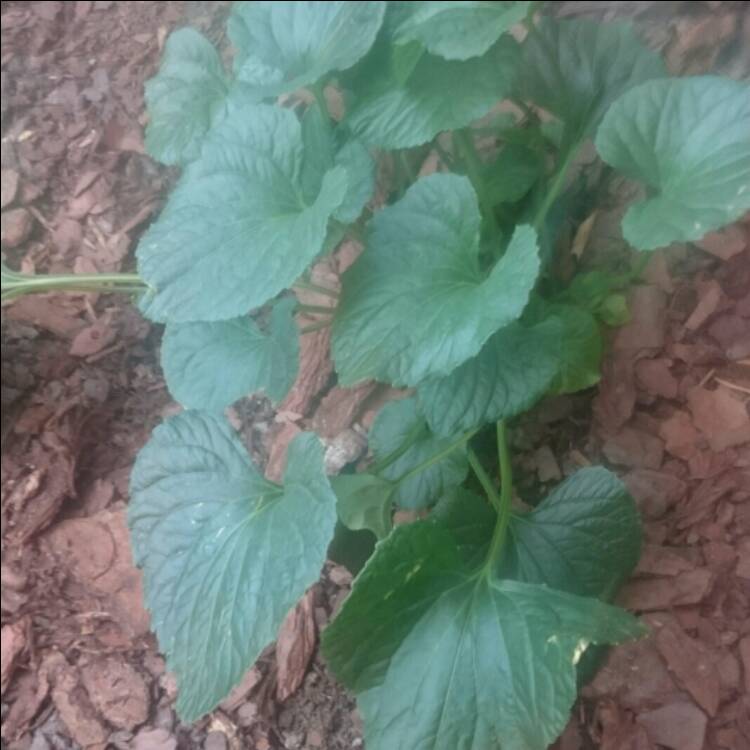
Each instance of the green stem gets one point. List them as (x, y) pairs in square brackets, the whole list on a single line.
[(438, 456), (464, 142), (557, 185), (16, 284), (506, 495), (318, 90), (484, 480)]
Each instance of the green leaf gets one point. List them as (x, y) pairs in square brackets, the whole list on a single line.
[(459, 30), (441, 659), (211, 365), (512, 174), (514, 369), (584, 538), (321, 154), (470, 519), (398, 423), (364, 502), (688, 140), (236, 230), (225, 553), (283, 46), (580, 346), (575, 69), (416, 303), (184, 98), (395, 113)]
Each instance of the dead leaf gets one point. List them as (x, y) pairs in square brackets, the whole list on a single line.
[(295, 646), (583, 233)]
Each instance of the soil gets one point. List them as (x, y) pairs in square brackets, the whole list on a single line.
[(82, 389)]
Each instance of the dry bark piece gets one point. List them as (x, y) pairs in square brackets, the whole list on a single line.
[(655, 377), (240, 692), (96, 551), (73, 705), (745, 656), (724, 244), (154, 739), (691, 663), (117, 691), (721, 416), (710, 297), (616, 397), (12, 645), (680, 726), (655, 491), (44, 313), (280, 437), (315, 369), (662, 561), (93, 338), (648, 595), (647, 324), (340, 408), (619, 732), (31, 690), (8, 186), (634, 448), (679, 436), (15, 227), (547, 468), (295, 646)]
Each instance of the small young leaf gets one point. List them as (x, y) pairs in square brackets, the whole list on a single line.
[(321, 154), (225, 553), (575, 69), (283, 46), (211, 365), (689, 140), (184, 97), (458, 30), (584, 538), (416, 304), (236, 231), (397, 423), (514, 369), (579, 347), (477, 660), (397, 112), (364, 502)]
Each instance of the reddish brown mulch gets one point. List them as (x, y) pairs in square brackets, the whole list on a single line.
[(81, 389)]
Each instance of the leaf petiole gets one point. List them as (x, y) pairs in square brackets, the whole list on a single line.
[(484, 480), (506, 496)]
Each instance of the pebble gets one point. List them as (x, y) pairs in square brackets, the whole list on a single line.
[(8, 186)]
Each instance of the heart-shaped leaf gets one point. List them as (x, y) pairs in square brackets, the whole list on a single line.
[(477, 661), (211, 365), (688, 140), (225, 553), (184, 98), (236, 230), (576, 68), (584, 538), (399, 424), (397, 111), (514, 369), (416, 303), (283, 46), (322, 154), (458, 30)]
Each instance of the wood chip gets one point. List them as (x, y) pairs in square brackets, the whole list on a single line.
[(295, 646), (680, 726), (12, 645), (710, 298)]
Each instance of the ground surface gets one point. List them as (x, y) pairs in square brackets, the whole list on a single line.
[(81, 390)]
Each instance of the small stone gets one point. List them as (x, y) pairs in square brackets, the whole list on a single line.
[(340, 576), (247, 714), (8, 186), (154, 739), (15, 227)]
